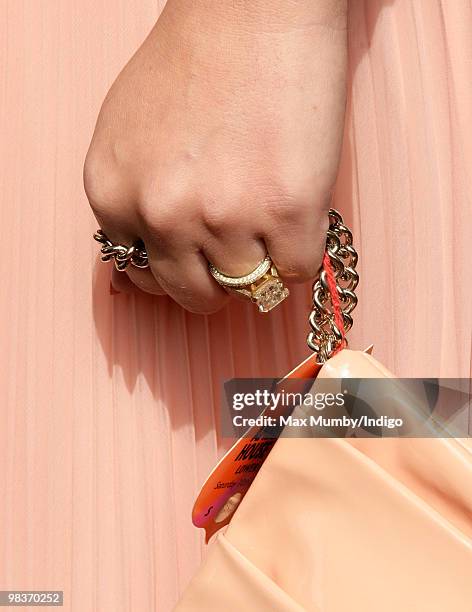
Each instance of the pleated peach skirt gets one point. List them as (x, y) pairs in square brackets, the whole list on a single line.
[(109, 403)]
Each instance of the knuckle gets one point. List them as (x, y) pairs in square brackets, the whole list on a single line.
[(288, 208), (194, 301), (296, 202), (102, 182), (145, 281), (159, 219), (285, 210), (199, 302), (206, 307), (221, 219), (306, 269), (300, 269), (198, 298), (297, 254)]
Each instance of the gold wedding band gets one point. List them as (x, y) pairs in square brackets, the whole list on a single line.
[(263, 285)]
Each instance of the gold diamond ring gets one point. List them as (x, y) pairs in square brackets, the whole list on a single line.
[(263, 285)]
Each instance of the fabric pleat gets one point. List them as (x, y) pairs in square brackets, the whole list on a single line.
[(110, 403)]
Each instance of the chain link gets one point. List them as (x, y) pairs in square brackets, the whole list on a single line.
[(121, 254), (325, 337)]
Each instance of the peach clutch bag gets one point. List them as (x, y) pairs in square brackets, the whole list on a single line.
[(339, 524)]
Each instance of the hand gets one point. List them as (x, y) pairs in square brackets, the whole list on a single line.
[(220, 140)]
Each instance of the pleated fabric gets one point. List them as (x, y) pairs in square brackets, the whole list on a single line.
[(110, 403)]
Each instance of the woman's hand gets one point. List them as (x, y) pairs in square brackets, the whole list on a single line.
[(220, 140)]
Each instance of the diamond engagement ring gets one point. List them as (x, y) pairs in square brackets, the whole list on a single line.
[(122, 255), (263, 285)]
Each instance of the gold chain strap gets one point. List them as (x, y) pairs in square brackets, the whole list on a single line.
[(326, 337)]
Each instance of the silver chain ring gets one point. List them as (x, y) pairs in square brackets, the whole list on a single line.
[(122, 255)]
